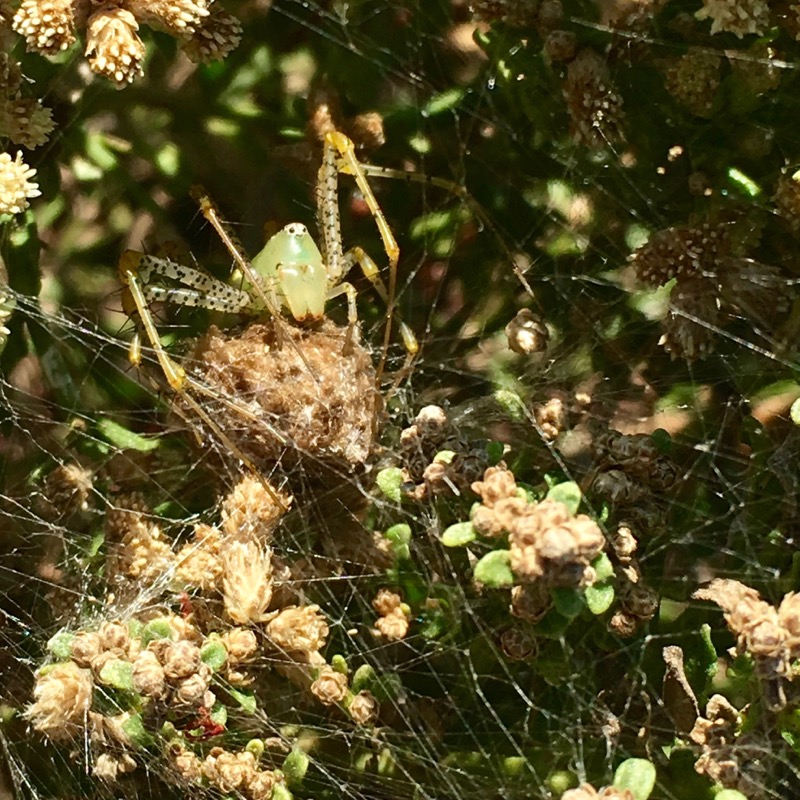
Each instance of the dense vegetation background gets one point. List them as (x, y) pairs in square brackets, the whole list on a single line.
[(624, 175)]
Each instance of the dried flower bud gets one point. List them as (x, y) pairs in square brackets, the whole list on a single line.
[(148, 675), (180, 660), (113, 48), (363, 708), (193, 691), (63, 696), (246, 580), (229, 772), (260, 785), (27, 122), (551, 418), (108, 768), (330, 686), (526, 333), (517, 644), (198, 563), (593, 103), (46, 25), (394, 626), (240, 643), (250, 512), (220, 33), (498, 484), (693, 80), (366, 130), (187, 765), (113, 636), (176, 17), (789, 618), (298, 629), (85, 648), (530, 601), (15, 186), (386, 602), (584, 792), (740, 17)]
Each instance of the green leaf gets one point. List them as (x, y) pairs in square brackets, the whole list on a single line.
[(122, 438), (134, 729), (568, 493), (494, 570), (444, 101), (794, 412), (603, 568), (638, 775), (495, 452), (117, 673), (158, 628), (399, 537), (245, 698), (280, 792), (339, 664), (60, 645), (458, 535), (568, 602), (729, 794), (219, 714), (512, 403), (295, 766), (363, 678), (599, 597), (213, 654), (389, 481)]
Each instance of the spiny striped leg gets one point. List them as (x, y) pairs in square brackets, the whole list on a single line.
[(232, 244), (339, 156), (131, 269)]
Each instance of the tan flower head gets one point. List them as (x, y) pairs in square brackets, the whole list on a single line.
[(330, 686), (15, 186), (246, 581), (298, 629), (178, 17), (113, 47), (363, 708), (63, 696), (48, 26), (220, 33), (26, 121)]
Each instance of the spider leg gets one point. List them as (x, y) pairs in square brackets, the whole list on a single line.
[(234, 247), (205, 290), (136, 302), (458, 191), (339, 155), (357, 255)]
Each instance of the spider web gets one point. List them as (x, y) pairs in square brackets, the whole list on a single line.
[(548, 225)]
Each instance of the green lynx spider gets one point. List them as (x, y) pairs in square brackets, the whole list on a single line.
[(289, 273)]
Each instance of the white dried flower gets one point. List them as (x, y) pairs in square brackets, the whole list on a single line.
[(298, 629), (63, 696), (177, 17), (46, 25), (246, 581), (113, 48), (363, 708), (330, 686), (740, 17), (15, 186)]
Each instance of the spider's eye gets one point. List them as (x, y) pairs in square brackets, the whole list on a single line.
[(296, 229)]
